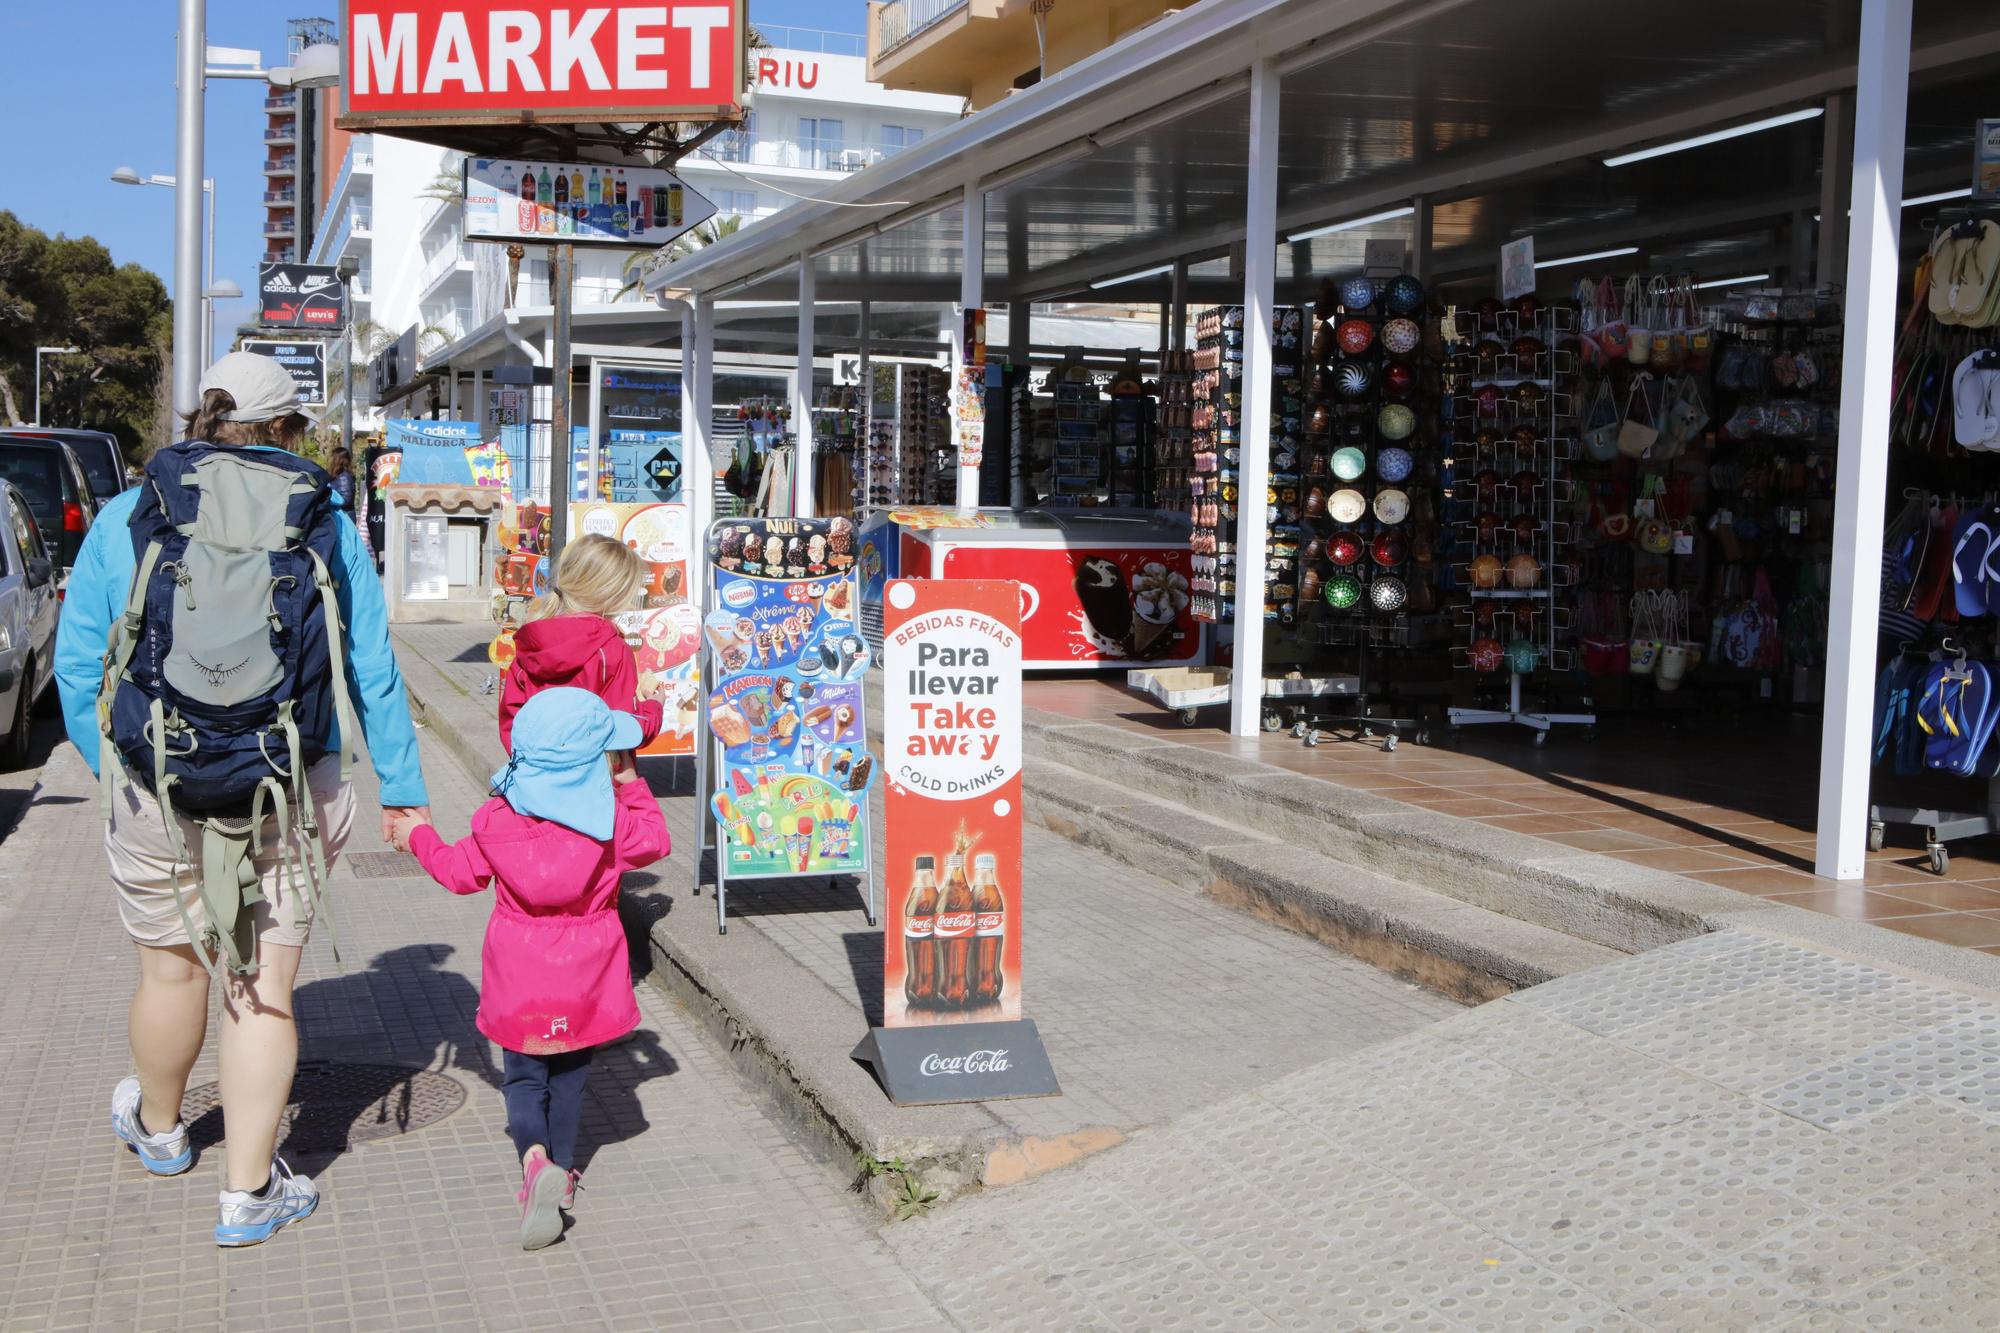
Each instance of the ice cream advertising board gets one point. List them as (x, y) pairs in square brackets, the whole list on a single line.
[(784, 708), (665, 632), (951, 754)]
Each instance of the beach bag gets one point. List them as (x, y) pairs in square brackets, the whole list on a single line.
[(1639, 431), (227, 673)]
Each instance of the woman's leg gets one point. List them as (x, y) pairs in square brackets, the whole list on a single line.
[(168, 1020), (525, 1085), (260, 1053), (568, 1073)]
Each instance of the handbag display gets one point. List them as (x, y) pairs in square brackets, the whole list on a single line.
[(1640, 429)]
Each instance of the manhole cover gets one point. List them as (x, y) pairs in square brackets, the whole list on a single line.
[(334, 1106), (384, 865)]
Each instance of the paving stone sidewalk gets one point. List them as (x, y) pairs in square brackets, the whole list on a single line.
[(697, 1210), (1731, 1133)]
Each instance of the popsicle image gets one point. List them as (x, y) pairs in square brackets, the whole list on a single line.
[(745, 835), (725, 809), (802, 845), (763, 784)]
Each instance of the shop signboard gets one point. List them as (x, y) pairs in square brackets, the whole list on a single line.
[(783, 699), (952, 925), (1085, 606), (301, 296), (586, 203), (417, 63), (665, 631), (304, 360), (1986, 162), (1517, 268)]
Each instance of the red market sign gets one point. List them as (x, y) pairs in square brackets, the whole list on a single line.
[(415, 61), (951, 755)]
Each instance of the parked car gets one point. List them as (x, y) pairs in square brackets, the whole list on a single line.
[(27, 623), (99, 451), (51, 479)]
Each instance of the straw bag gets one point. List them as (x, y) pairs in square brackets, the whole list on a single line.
[(1638, 323), (1645, 642), (1601, 422), (1614, 335), (1640, 429)]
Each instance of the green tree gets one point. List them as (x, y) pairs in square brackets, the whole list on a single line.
[(67, 292)]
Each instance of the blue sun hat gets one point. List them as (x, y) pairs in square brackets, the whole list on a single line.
[(558, 772)]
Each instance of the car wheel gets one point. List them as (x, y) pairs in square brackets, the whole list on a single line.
[(14, 746)]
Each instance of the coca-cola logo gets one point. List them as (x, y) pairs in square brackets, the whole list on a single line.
[(918, 926), (992, 923), (954, 923), (975, 1062)]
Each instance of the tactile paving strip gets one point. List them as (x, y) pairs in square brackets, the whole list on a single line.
[(1829, 1097)]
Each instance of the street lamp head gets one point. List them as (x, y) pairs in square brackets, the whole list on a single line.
[(348, 266), (127, 176), (225, 290), (318, 66)]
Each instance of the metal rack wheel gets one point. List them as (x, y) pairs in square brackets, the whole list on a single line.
[(1299, 729), (1541, 739), (1878, 833), (1272, 722), (1389, 743), (1940, 858), (1187, 717)]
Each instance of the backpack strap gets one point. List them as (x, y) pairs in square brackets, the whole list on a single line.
[(336, 644), (117, 658), (310, 860)]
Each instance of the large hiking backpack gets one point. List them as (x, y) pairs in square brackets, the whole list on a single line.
[(227, 671)]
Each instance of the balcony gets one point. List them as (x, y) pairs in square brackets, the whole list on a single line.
[(817, 40), (284, 196), (900, 21), (277, 228), (843, 156), (285, 133), (440, 268), (288, 165), (284, 101)]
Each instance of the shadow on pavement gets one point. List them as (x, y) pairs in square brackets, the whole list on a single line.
[(18, 785), (612, 1112)]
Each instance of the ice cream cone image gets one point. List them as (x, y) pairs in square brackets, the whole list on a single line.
[(803, 848)]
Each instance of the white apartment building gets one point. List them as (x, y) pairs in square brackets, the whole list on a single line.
[(815, 119)]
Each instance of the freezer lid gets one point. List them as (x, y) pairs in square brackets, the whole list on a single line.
[(1097, 527)]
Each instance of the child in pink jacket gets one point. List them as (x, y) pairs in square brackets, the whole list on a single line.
[(552, 842)]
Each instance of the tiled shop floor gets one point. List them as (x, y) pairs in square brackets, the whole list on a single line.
[(1728, 799)]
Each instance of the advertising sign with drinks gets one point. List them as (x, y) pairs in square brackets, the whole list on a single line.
[(951, 752), (584, 202), (784, 704), (418, 62), (665, 631)]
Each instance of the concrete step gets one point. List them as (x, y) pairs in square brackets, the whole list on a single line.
[(1581, 895), (1465, 951)]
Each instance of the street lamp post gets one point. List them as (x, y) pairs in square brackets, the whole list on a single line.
[(39, 351), (347, 266), (127, 176)]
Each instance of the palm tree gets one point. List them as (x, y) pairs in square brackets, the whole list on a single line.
[(644, 263), (448, 184)]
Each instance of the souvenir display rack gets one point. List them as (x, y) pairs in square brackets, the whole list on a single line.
[(1173, 453), (1217, 363), (1132, 422), (1509, 414), (1076, 466)]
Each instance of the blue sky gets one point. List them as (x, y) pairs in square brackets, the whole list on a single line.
[(67, 128)]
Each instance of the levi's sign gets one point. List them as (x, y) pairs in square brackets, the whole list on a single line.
[(531, 59)]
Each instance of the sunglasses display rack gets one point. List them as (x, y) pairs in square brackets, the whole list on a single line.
[(1508, 414), (1217, 398), (923, 432)]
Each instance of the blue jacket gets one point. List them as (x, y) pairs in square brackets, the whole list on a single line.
[(102, 579)]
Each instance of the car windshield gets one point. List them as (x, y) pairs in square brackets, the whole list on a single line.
[(37, 473), (102, 465)]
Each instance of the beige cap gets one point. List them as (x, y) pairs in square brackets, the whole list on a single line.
[(262, 388)]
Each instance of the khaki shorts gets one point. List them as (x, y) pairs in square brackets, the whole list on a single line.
[(142, 863)]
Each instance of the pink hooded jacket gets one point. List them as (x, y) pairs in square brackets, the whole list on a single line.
[(556, 976)]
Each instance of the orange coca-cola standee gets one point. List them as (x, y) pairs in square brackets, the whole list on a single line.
[(952, 760)]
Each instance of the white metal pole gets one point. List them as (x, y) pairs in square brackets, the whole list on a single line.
[(971, 296), (697, 462), (1260, 282), (864, 451), (1861, 472), (803, 462), (207, 301), (1837, 178), (188, 131), (1180, 305)]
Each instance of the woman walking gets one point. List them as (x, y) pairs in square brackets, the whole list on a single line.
[(220, 703), (568, 818)]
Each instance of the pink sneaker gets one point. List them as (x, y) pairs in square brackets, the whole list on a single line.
[(570, 1187), (543, 1185)]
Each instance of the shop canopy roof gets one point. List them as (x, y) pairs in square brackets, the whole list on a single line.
[(1500, 115)]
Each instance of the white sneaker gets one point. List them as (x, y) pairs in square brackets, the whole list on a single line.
[(166, 1153), (251, 1219)]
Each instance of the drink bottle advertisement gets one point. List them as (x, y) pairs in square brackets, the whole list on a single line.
[(951, 657), (582, 202), (1090, 606), (786, 661), (665, 632)]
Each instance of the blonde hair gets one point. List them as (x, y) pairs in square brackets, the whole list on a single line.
[(595, 575)]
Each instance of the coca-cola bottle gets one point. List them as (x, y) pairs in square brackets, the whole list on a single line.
[(953, 935), (989, 929), (919, 951)]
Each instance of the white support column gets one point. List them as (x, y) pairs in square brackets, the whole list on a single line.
[(1861, 476), (1838, 177), (479, 399), (971, 295), (1253, 473), (697, 415), (1180, 306), (802, 392)]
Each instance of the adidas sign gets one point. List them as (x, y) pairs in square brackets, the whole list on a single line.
[(279, 282)]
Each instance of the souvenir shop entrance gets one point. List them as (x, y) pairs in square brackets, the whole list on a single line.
[(1634, 477)]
